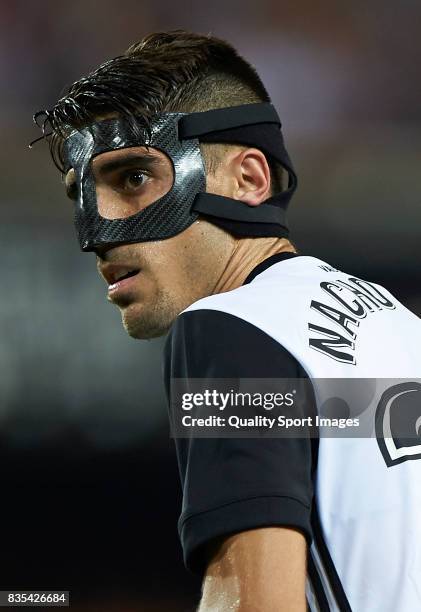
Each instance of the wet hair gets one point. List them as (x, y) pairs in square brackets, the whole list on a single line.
[(174, 71)]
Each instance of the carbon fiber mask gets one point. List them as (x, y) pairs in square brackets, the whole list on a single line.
[(178, 135)]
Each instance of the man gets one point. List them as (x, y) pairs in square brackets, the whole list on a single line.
[(174, 158)]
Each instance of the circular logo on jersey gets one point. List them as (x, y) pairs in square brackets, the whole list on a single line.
[(398, 423)]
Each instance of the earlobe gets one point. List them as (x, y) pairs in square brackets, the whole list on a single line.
[(253, 177)]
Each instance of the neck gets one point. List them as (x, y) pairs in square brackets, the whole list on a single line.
[(246, 255)]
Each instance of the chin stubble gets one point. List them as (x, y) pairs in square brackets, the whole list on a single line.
[(153, 322)]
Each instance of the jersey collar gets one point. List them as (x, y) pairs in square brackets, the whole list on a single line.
[(266, 263)]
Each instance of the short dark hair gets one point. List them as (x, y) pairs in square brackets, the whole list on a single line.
[(174, 71)]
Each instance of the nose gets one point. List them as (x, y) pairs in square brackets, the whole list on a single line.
[(101, 250)]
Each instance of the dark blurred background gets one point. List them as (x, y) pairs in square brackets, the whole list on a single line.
[(89, 479)]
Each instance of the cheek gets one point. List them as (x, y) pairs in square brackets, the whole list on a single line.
[(220, 182), (108, 206), (186, 266), (114, 205), (168, 270), (215, 184)]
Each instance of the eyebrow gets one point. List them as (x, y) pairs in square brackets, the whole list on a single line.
[(130, 160)]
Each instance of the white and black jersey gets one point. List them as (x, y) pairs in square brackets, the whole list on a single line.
[(356, 500)]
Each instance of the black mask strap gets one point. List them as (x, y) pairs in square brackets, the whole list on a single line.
[(195, 125), (256, 125)]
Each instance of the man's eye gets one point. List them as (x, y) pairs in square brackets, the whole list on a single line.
[(134, 179)]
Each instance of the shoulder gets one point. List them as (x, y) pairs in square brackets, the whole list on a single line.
[(215, 343), (262, 317)]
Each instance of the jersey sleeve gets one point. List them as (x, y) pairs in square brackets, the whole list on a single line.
[(234, 484)]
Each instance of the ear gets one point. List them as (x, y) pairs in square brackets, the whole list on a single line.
[(252, 177)]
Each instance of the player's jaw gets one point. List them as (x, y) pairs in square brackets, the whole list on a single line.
[(152, 282), (147, 310)]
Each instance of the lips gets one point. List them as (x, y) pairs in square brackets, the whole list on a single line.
[(123, 285), (114, 273), (120, 277)]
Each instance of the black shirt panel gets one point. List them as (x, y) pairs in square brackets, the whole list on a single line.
[(234, 484)]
